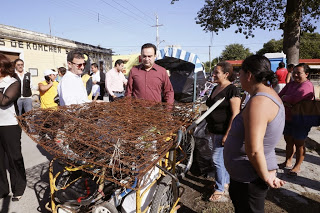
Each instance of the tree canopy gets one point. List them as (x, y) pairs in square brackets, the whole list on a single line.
[(309, 46), (235, 52), (291, 16)]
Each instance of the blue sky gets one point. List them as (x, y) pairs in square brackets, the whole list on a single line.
[(124, 25)]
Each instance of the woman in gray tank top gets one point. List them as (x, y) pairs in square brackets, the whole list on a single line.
[(249, 152)]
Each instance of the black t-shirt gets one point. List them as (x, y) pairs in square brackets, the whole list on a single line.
[(218, 120)]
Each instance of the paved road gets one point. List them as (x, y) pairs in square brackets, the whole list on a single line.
[(37, 191)]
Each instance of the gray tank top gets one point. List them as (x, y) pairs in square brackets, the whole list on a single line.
[(235, 159)]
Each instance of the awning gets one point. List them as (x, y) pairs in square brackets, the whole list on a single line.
[(180, 54)]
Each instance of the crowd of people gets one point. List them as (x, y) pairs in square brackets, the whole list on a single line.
[(243, 136)]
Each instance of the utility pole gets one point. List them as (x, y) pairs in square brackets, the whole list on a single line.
[(209, 59), (157, 26), (50, 26)]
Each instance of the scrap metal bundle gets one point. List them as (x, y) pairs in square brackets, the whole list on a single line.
[(120, 141)]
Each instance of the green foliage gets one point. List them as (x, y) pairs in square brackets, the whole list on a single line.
[(248, 15), (272, 46), (235, 52), (309, 46)]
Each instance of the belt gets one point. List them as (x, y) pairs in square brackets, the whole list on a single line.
[(117, 92)]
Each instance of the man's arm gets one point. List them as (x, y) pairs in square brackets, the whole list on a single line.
[(167, 89), (129, 88), (44, 88), (108, 83)]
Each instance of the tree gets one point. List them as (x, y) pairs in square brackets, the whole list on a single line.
[(309, 46), (272, 46), (291, 16), (235, 52)]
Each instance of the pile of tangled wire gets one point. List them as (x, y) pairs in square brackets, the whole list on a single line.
[(120, 141)]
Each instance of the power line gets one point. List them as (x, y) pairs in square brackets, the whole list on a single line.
[(124, 12), (144, 13), (131, 11)]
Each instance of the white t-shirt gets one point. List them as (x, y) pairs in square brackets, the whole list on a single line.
[(71, 90), (7, 113), (96, 87)]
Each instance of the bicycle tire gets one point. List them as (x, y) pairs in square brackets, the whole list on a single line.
[(188, 148), (162, 201)]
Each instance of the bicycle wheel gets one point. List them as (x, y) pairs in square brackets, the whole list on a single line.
[(165, 196), (185, 150), (104, 208)]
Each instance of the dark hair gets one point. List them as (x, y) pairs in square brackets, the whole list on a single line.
[(119, 62), (290, 66), (149, 45), (62, 70), (260, 68), (227, 68), (305, 67), (95, 65), (18, 59), (77, 53), (282, 64), (6, 66)]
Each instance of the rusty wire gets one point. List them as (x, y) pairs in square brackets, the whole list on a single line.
[(121, 140)]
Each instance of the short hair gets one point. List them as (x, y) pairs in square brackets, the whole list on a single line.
[(18, 59), (305, 67), (290, 66), (149, 45), (76, 53), (282, 64), (62, 70), (95, 65), (119, 62), (227, 68), (6, 66), (260, 67)]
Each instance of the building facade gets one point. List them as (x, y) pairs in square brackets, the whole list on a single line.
[(40, 51)]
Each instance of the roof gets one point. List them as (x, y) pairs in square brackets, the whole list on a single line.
[(182, 55)]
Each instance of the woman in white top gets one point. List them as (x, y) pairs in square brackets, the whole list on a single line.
[(10, 133)]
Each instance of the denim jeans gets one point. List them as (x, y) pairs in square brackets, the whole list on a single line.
[(24, 103), (221, 175)]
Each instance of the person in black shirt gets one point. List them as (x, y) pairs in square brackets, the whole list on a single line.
[(10, 132), (219, 122)]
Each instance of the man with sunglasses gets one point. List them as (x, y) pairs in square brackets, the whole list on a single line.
[(71, 89)]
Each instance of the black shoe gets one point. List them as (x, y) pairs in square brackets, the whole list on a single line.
[(16, 198)]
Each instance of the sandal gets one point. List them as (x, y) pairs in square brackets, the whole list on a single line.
[(216, 196), (284, 166), (292, 174)]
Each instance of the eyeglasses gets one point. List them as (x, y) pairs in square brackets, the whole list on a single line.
[(79, 65)]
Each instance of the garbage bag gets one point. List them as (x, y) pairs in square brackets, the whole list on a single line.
[(203, 149)]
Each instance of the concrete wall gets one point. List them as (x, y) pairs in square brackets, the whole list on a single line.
[(41, 51)]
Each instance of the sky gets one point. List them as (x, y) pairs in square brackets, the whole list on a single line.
[(125, 25)]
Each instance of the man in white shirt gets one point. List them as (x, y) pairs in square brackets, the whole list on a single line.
[(115, 81), (98, 81), (71, 89), (25, 101)]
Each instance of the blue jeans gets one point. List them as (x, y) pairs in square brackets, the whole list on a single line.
[(221, 175), (24, 103)]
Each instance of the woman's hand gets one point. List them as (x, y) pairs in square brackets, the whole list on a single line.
[(273, 181), (223, 140)]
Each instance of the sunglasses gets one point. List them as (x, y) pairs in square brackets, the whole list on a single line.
[(79, 65)]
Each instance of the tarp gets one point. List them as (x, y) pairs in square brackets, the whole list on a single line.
[(182, 66), (183, 55)]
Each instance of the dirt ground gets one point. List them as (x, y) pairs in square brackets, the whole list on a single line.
[(300, 194)]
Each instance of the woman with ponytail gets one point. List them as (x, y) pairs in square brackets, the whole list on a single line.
[(249, 152)]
